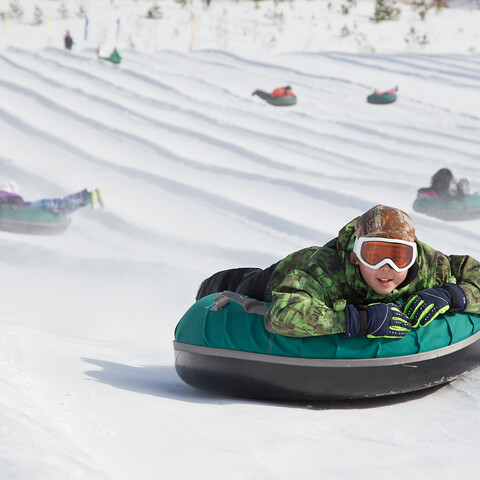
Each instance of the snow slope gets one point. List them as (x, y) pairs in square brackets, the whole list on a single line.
[(197, 176)]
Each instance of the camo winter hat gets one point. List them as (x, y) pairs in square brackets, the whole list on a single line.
[(385, 222)]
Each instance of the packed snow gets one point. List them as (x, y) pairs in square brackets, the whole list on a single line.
[(198, 176)]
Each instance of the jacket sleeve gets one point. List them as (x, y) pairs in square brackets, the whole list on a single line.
[(466, 270), (301, 308)]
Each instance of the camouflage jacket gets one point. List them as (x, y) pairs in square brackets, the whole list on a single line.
[(309, 289)]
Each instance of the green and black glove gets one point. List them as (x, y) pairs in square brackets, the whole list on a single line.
[(376, 320), (427, 304)]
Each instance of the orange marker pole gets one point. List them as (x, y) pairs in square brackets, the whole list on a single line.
[(194, 34), (6, 27), (49, 29)]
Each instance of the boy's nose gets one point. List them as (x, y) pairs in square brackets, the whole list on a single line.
[(386, 267)]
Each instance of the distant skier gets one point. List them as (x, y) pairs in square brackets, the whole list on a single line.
[(68, 41)]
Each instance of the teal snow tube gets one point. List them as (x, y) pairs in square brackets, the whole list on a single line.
[(34, 221), (228, 351), (282, 101), (116, 59), (466, 208), (382, 99)]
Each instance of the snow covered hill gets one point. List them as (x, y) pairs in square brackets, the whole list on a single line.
[(197, 176)]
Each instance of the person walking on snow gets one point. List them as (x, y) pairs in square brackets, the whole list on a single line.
[(68, 40)]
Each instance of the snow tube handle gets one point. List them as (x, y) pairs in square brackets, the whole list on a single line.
[(250, 305)]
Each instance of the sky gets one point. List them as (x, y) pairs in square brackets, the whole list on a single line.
[(199, 176)]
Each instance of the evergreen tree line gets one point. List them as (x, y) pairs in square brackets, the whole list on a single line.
[(384, 10)]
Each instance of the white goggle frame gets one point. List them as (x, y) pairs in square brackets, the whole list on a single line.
[(357, 249)]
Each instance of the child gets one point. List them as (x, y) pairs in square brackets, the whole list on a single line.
[(445, 187), (386, 92), (283, 92), (65, 205), (278, 92), (352, 285)]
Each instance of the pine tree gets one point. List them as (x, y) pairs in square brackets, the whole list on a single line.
[(62, 10), (347, 5), (154, 12), (81, 13), (385, 10), (16, 11), (37, 15), (423, 6)]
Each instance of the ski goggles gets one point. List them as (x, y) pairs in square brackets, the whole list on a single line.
[(375, 252)]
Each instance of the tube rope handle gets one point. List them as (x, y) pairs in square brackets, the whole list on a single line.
[(250, 305)]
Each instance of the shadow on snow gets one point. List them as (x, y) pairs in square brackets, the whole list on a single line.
[(163, 381)]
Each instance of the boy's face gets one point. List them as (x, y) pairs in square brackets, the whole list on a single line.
[(382, 280)]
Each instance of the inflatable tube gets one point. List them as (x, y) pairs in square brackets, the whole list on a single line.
[(467, 208), (276, 101), (229, 352), (281, 101), (34, 221), (382, 99), (114, 60)]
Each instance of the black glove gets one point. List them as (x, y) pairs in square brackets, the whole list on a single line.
[(427, 304), (376, 320)]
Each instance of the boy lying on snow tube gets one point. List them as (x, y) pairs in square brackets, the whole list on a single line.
[(354, 284)]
